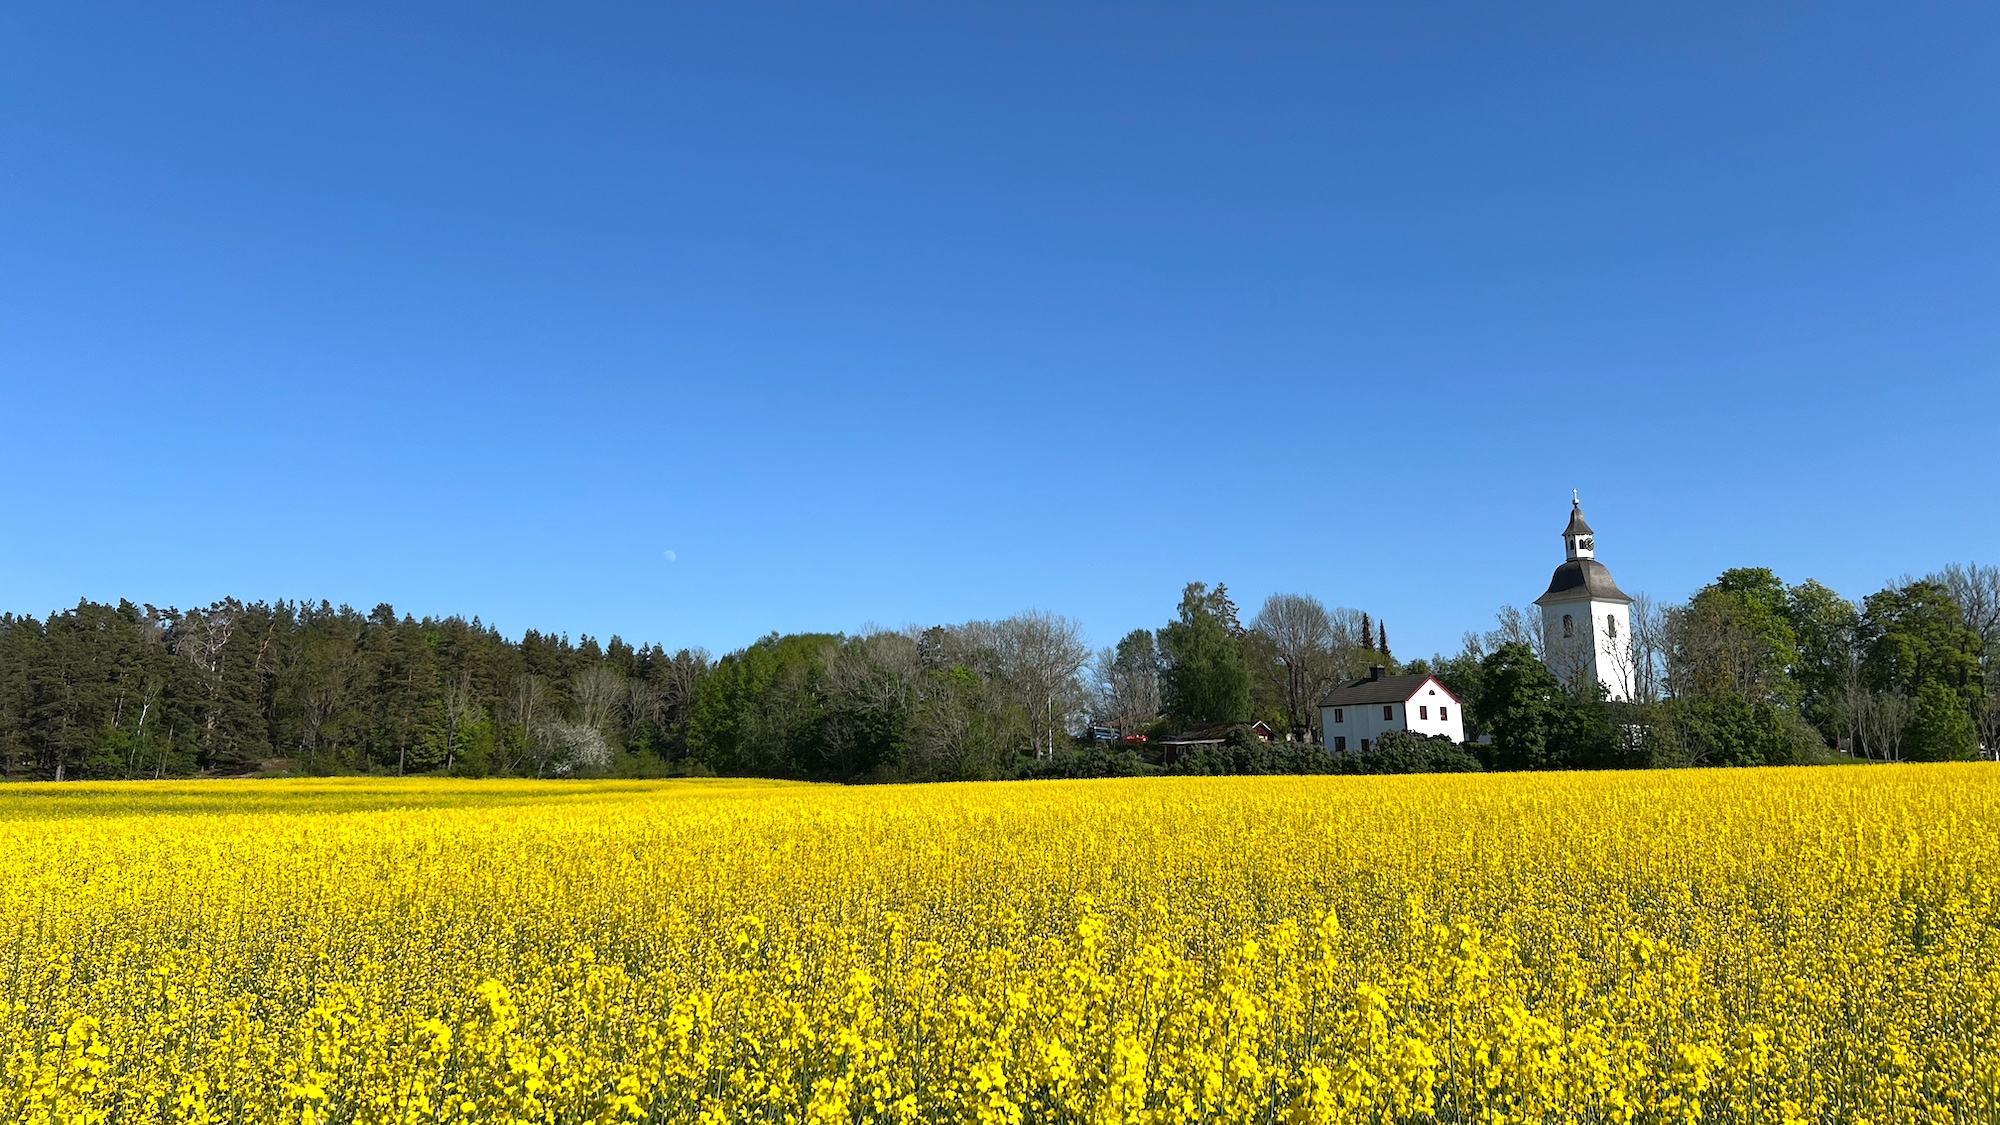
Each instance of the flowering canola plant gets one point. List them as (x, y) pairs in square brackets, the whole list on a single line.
[(1720, 946)]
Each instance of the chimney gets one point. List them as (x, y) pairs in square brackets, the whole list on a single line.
[(1375, 671)]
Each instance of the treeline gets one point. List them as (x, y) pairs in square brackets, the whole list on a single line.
[(1749, 671), (108, 691), (1752, 671), (104, 691)]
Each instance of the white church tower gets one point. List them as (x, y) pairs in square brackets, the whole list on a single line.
[(1586, 618)]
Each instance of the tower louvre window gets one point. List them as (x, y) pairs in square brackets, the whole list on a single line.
[(1611, 625), (1569, 625)]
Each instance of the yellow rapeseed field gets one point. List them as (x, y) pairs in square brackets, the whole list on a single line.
[(1725, 946)]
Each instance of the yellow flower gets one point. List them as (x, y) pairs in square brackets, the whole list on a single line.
[(1743, 946)]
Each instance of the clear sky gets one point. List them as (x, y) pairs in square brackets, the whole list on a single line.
[(693, 323)]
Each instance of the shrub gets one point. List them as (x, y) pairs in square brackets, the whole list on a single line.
[(1403, 751)]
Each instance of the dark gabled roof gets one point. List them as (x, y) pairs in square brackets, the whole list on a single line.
[(1578, 579), (1576, 524), (1388, 689)]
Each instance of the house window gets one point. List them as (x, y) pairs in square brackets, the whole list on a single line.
[(1340, 742), (1569, 625), (1441, 715), (1388, 710), (1423, 712), (1339, 714), (1364, 745), (1611, 625)]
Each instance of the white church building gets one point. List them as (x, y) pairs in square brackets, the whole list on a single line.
[(1586, 618)]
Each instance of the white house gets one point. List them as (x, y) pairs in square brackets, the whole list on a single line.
[(1356, 713), (1586, 618)]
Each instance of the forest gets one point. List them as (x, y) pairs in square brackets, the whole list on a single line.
[(1749, 671)]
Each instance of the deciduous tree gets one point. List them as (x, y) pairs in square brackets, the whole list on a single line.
[(1204, 679), (1301, 635)]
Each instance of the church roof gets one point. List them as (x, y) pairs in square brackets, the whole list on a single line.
[(1576, 524), (1578, 579)]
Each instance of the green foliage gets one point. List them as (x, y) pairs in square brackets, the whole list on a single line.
[(1751, 667), (1824, 624), (1535, 724), (1249, 757), (1402, 751), (1734, 637), (1940, 729), (473, 754), (1725, 729), (131, 691), (94, 693), (865, 714), (756, 710), (1267, 679), (1914, 635), (1519, 707), (1757, 587), (1396, 752), (1205, 679), (1116, 759), (1240, 754), (881, 707)]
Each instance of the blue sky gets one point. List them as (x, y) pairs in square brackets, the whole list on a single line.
[(919, 313)]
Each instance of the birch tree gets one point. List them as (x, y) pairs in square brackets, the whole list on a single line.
[(598, 690)]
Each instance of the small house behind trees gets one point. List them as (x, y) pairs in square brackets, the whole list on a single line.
[(1211, 734)]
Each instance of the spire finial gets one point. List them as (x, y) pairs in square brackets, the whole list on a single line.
[(1575, 501)]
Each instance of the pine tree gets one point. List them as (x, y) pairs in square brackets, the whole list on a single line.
[(1225, 610), (1382, 637), (1367, 631)]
